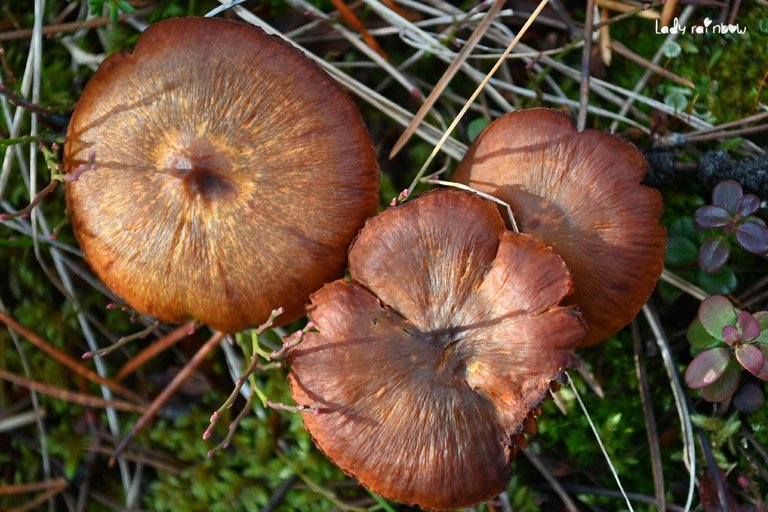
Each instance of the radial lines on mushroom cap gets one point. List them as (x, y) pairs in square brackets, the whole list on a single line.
[(232, 174), (437, 352), (580, 194)]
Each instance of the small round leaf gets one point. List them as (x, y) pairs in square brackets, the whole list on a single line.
[(712, 217), (751, 358), (715, 313), (719, 283), (699, 338), (727, 194), (749, 398), (713, 254), (724, 387), (749, 326), (747, 205), (762, 319), (680, 251), (707, 367), (752, 237), (731, 335)]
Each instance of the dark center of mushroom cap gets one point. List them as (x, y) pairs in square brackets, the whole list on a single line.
[(203, 169)]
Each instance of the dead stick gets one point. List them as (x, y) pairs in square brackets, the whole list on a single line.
[(66, 360), (69, 396), (167, 393)]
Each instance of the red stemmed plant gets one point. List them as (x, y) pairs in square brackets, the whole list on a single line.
[(727, 340), (730, 217)]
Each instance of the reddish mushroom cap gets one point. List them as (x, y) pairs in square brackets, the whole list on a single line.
[(231, 174), (580, 193), (428, 366)]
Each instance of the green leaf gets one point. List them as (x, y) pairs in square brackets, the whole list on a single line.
[(715, 313), (681, 251), (719, 282), (475, 127), (685, 228), (672, 49), (699, 338), (677, 97), (762, 319)]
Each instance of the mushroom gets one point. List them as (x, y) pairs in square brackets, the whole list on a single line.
[(580, 194), (429, 366), (231, 174)]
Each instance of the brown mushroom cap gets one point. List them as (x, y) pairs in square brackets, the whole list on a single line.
[(428, 366), (231, 174), (580, 193)]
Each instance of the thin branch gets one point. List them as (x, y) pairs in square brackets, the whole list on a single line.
[(586, 59), (69, 396), (74, 26), (551, 480), (689, 447), (453, 68), (599, 441), (650, 420), (475, 94), (66, 360), (168, 392), (155, 348)]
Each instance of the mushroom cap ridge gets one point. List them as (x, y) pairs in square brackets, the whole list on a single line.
[(429, 366), (231, 174), (579, 193)]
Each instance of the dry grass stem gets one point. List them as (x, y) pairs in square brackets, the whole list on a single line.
[(453, 68), (168, 392), (65, 359), (69, 396), (650, 419), (156, 347), (689, 447)]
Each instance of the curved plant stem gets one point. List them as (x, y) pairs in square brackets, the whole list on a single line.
[(599, 442), (689, 453), (155, 348)]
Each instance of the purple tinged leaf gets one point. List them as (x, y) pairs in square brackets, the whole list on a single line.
[(712, 217), (724, 387), (731, 335), (749, 326), (763, 373), (747, 205), (727, 194), (716, 312), (713, 254), (753, 237), (762, 319), (751, 358), (707, 367), (749, 398)]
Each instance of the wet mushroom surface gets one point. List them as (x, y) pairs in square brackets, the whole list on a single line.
[(580, 193), (428, 367), (231, 173)]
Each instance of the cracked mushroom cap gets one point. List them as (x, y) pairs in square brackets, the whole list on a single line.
[(580, 194), (428, 367), (231, 174)]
